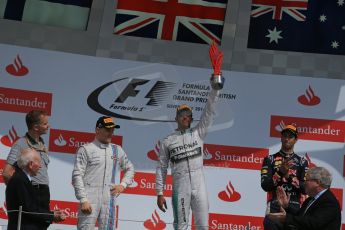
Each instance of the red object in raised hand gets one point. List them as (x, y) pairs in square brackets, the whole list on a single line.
[(216, 57)]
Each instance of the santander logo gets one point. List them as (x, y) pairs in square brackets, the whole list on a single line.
[(17, 68), (134, 184), (23, 101), (155, 223), (279, 127), (310, 128), (153, 154), (60, 141), (226, 221), (207, 154), (66, 141), (3, 212), (145, 184), (9, 139), (234, 156), (229, 194), (309, 98)]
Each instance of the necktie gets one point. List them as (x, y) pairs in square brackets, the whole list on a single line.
[(311, 201)]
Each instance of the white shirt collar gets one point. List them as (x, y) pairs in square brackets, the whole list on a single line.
[(27, 174), (319, 194)]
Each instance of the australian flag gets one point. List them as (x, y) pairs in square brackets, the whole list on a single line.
[(72, 14), (197, 21), (315, 26)]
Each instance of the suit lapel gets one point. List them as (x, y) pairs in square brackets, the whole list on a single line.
[(315, 203)]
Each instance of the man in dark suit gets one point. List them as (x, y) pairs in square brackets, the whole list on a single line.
[(321, 211), (20, 192)]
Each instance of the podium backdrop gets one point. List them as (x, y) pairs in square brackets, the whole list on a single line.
[(142, 97)]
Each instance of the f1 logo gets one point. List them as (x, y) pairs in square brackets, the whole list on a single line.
[(130, 90), (157, 94)]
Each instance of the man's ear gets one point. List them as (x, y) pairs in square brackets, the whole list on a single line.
[(35, 127), (30, 164)]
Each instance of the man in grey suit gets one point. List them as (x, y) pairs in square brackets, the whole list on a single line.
[(321, 211)]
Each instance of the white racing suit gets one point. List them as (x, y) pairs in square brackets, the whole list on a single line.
[(185, 153), (95, 170)]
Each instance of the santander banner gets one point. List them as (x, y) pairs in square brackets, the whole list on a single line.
[(23, 101), (70, 209), (66, 141), (310, 128), (145, 184), (224, 221), (338, 193), (234, 156)]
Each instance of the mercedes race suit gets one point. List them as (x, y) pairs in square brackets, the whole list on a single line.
[(184, 151)]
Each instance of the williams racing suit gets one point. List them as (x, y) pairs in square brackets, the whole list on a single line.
[(184, 150), (96, 170), (271, 178)]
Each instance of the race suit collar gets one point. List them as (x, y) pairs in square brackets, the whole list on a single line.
[(284, 154), (182, 132), (101, 145)]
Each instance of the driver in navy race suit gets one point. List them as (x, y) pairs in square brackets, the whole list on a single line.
[(286, 169)]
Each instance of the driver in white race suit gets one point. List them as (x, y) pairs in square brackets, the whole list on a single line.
[(96, 168), (184, 150)]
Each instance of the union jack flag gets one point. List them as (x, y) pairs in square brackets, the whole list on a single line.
[(278, 7), (316, 26), (198, 21)]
